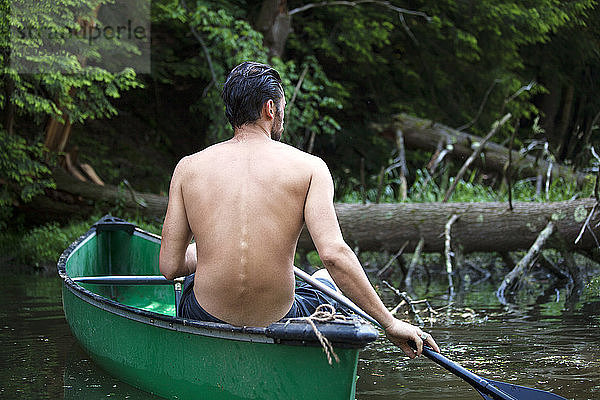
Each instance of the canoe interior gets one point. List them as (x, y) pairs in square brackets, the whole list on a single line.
[(119, 253), (131, 331)]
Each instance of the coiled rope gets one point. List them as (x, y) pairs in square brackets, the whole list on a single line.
[(323, 313)]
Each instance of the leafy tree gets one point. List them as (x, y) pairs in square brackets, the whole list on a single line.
[(465, 65), (49, 73), (22, 175), (212, 38)]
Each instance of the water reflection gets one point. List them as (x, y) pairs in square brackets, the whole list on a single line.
[(33, 336), (557, 353), (539, 346), (83, 380)]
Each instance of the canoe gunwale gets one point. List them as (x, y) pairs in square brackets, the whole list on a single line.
[(366, 333)]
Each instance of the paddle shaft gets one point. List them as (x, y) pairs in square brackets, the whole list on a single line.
[(473, 379)]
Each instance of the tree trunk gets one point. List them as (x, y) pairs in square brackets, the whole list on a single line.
[(57, 134), (275, 24), (75, 198), (9, 107), (550, 105), (483, 227), (565, 121), (425, 134)]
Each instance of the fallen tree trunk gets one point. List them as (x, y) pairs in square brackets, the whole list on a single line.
[(425, 135), (75, 198), (482, 227)]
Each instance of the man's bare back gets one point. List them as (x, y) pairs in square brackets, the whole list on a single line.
[(244, 201)]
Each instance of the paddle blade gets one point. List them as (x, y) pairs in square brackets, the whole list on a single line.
[(522, 392), (488, 388)]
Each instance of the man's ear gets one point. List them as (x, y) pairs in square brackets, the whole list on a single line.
[(270, 109)]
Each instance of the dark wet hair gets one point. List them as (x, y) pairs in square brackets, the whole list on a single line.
[(247, 88)]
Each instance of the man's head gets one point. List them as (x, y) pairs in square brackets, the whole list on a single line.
[(250, 90)]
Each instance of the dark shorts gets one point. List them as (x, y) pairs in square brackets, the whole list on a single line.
[(306, 300)]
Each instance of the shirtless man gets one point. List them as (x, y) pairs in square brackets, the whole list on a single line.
[(245, 201)]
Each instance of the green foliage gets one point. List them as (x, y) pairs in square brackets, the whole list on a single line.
[(425, 189), (46, 76), (313, 259), (229, 39), (47, 71), (22, 175), (592, 290), (314, 99), (471, 61), (484, 41), (42, 245), (343, 66), (428, 188)]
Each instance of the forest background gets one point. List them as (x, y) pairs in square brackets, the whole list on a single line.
[(349, 69)]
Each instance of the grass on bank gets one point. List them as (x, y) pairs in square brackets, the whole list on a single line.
[(427, 188), (40, 247)]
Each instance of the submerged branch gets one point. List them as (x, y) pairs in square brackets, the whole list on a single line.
[(521, 268), (448, 253)]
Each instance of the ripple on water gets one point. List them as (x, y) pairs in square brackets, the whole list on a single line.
[(557, 352)]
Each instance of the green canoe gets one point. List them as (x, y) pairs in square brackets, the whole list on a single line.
[(132, 332)]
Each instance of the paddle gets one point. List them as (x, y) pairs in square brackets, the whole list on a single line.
[(487, 388)]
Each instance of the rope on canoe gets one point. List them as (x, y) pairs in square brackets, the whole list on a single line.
[(323, 313)]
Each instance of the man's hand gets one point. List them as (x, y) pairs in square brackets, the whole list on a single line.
[(400, 333)]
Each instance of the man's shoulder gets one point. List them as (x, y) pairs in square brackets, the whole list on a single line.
[(199, 156), (188, 164), (299, 155)]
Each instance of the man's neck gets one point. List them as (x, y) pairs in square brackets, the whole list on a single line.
[(251, 132)]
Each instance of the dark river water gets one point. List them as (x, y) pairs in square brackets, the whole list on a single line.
[(539, 346)]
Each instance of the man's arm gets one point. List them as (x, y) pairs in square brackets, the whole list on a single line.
[(175, 257), (343, 265)]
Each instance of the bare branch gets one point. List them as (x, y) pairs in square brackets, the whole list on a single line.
[(597, 174), (407, 29), (394, 257), (385, 4), (296, 90), (406, 299), (481, 106), (475, 154), (204, 48), (413, 263), (586, 224), (508, 170), (522, 89), (521, 268), (401, 152), (448, 253)]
